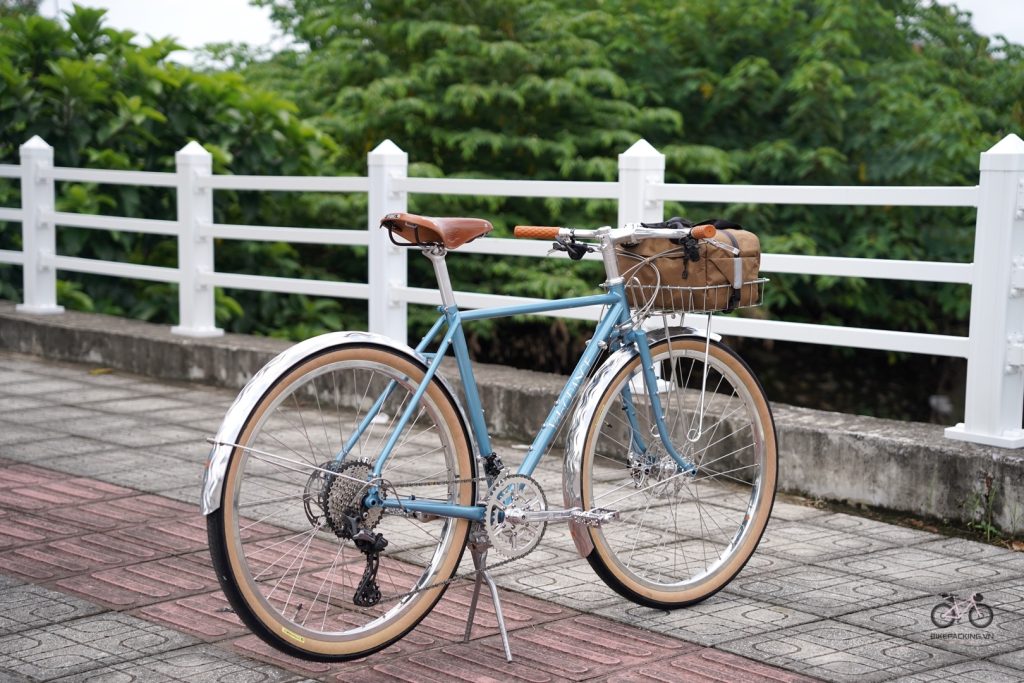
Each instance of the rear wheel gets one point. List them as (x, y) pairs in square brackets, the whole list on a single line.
[(942, 615), (282, 540), (680, 535)]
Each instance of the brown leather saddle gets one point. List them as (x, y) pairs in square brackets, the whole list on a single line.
[(421, 230)]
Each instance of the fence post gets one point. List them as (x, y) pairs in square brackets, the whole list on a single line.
[(640, 166), (195, 250), (995, 364), (38, 235), (387, 263)]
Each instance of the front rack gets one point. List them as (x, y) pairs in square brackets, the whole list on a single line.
[(659, 299)]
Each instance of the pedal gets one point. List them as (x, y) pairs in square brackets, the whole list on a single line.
[(594, 517)]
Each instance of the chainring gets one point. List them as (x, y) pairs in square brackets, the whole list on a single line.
[(509, 534)]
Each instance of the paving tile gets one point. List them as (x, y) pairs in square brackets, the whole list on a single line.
[(25, 606), (59, 492), (862, 526), (164, 406), (252, 647), (707, 665), (720, 618), (196, 664), (912, 620), (924, 570), (967, 672), (20, 529), (206, 616), (13, 476), (34, 451), (160, 474), (42, 386), (102, 463), (839, 652), (13, 433), (123, 512), (202, 417), (52, 414), (9, 403), (67, 557), (189, 451), (8, 581), (142, 584), (976, 552), (78, 394), (804, 542), (791, 512), (8, 376), (559, 576), (574, 649), (119, 430), (447, 621), (1014, 660), (821, 591), (175, 536), (85, 644)]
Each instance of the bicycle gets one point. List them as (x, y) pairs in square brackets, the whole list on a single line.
[(951, 611), (347, 478)]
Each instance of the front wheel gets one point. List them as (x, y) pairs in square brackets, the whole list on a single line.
[(682, 533), (980, 615), (283, 541)]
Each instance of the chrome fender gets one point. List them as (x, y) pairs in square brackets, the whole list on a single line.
[(590, 395), (234, 420)]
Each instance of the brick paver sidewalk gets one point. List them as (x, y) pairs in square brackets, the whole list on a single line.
[(104, 575)]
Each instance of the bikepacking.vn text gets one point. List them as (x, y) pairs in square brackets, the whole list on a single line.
[(962, 636)]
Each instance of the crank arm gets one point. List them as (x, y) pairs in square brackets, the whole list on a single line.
[(595, 517)]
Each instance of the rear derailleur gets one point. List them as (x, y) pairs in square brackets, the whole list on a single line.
[(370, 544)]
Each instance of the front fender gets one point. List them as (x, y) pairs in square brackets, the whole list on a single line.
[(589, 398), (239, 412)]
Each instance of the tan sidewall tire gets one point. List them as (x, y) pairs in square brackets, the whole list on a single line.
[(424, 601), (769, 476)]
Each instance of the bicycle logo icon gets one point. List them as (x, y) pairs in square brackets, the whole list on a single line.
[(952, 610)]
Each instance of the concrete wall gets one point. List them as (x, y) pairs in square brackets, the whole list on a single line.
[(901, 466)]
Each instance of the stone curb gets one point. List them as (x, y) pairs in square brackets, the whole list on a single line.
[(901, 466)]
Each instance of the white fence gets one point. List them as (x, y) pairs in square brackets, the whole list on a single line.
[(994, 349)]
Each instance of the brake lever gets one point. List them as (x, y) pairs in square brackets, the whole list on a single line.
[(576, 250)]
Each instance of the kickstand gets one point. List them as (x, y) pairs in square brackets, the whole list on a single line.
[(480, 564)]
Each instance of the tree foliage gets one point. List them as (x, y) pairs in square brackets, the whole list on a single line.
[(821, 92), (103, 100)]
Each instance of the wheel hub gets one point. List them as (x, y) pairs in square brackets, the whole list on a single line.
[(337, 498), (657, 471)]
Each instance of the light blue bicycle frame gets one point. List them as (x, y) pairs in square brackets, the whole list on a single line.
[(613, 326)]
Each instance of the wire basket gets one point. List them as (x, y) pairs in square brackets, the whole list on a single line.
[(657, 299)]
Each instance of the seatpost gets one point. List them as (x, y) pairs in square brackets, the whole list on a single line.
[(436, 254)]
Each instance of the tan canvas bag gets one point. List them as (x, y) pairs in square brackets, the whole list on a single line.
[(713, 281)]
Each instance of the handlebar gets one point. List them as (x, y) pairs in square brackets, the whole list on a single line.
[(633, 231)]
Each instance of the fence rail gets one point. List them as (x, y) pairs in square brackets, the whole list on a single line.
[(994, 348)]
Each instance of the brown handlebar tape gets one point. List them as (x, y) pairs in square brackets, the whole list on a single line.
[(536, 232)]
